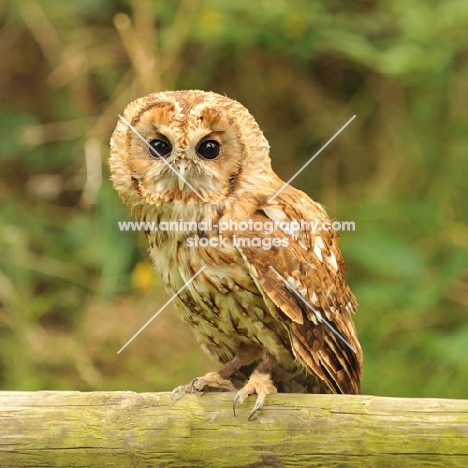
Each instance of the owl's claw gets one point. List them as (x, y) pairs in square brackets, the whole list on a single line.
[(195, 385), (258, 383), (178, 390), (236, 400), (258, 405)]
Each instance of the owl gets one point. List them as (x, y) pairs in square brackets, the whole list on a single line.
[(263, 294)]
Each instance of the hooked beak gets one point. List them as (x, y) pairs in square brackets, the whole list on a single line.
[(182, 170)]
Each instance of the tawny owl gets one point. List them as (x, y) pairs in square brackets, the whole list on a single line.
[(268, 300)]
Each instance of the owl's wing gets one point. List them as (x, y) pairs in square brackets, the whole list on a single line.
[(302, 284)]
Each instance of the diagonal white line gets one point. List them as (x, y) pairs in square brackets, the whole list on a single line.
[(161, 309), (319, 316), (312, 158), (135, 131)]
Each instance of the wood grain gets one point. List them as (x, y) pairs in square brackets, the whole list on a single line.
[(125, 429)]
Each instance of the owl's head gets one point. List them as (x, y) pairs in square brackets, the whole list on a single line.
[(211, 141)]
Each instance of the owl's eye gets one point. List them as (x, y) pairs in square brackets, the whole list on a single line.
[(159, 148), (209, 149)]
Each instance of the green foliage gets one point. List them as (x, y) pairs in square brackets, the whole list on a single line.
[(73, 288)]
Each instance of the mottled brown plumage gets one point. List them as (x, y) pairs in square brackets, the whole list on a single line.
[(241, 310)]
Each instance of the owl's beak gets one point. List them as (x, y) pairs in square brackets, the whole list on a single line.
[(182, 169)]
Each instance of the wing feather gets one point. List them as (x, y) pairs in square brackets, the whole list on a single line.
[(303, 286)]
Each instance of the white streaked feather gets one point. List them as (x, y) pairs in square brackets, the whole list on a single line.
[(276, 214), (331, 259)]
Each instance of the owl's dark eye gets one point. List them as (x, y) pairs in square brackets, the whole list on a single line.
[(159, 148), (209, 149)]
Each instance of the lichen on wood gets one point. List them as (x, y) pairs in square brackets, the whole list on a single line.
[(125, 429)]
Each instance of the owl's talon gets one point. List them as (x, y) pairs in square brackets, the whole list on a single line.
[(236, 400), (241, 396), (195, 382), (180, 392), (258, 405)]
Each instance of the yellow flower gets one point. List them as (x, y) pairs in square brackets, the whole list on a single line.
[(142, 276)]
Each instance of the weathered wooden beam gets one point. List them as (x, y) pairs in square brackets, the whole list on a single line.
[(125, 429)]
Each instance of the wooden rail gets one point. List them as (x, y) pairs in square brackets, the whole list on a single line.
[(125, 429)]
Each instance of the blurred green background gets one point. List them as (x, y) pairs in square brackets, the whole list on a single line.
[(74, 289)]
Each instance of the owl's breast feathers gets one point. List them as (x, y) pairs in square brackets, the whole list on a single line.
[(222, 304)]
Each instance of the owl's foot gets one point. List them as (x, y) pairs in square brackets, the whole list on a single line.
[(260, 383), (210, 380), (244, 356)]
